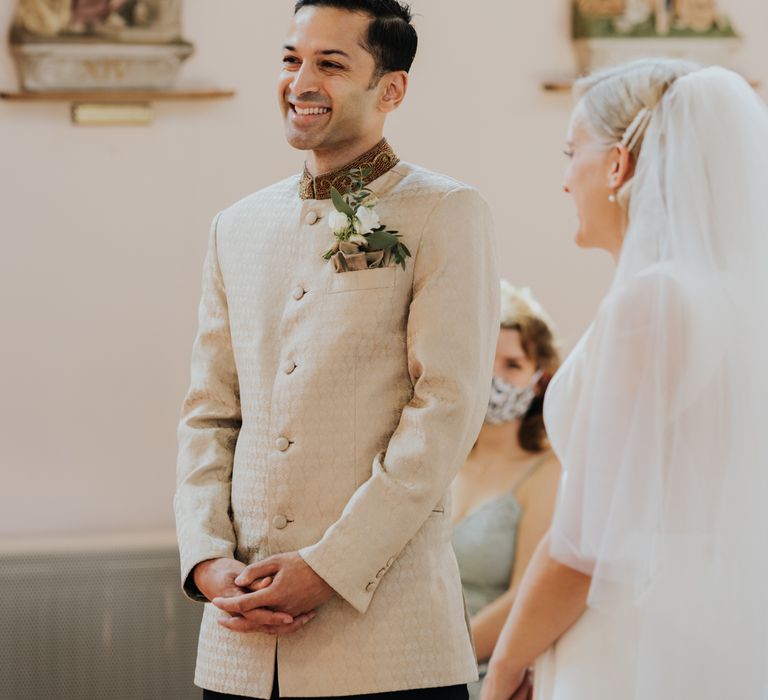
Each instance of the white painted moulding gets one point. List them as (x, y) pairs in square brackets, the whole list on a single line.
[(94, 66), (595, 54)]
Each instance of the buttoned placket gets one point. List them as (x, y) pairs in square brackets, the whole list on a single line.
[(312, 214)]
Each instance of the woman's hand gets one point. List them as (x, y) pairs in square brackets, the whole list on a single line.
[(525, 691), (552, 597), (507, 684)]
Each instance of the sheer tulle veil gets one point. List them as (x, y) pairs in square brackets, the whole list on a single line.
[(664, 498)]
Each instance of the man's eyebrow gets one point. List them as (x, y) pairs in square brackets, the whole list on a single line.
[(326, 52), (331, 52)]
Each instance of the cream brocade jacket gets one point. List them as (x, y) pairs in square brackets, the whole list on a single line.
[(328, 414)]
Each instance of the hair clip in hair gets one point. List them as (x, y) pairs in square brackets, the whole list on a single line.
[(636, 129)]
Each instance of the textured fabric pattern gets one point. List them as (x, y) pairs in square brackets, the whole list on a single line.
[(456, 692), (328, 414), (379, 160)]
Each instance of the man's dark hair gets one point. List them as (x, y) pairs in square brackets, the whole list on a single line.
[(391, 38)]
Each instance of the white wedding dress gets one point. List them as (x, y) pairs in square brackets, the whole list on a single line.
[(658, 420), (593, 660)]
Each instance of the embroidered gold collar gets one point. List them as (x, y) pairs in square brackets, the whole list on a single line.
[(380, 159)]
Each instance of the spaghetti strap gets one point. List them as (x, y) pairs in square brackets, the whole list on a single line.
[(530, 471)]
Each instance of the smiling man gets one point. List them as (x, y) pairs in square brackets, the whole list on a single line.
[(340, 375)]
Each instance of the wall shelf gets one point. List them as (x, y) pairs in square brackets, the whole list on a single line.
[(558, 84), (117, 96), (115, 107)]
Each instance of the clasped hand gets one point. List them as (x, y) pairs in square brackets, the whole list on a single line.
[(507, 685), (277, 596)]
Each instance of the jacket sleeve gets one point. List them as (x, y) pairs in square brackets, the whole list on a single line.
[(452, 330), (207, 434)]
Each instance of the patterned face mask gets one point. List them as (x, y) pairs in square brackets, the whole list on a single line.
[(507, 402)]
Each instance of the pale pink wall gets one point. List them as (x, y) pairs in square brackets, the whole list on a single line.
[(104, 231)]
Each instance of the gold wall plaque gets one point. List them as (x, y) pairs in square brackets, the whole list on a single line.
[(92, 114)]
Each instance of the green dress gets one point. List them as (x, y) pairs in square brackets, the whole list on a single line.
[(485, 543)]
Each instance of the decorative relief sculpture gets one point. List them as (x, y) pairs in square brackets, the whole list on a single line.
[(98, 44), (612, 31)]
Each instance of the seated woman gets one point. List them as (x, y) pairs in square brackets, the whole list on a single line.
[(504, 496)]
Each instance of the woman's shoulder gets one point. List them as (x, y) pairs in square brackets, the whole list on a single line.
[(664, 293), (543, 480)]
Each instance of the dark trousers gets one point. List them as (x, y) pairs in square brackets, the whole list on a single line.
[(456, 692)]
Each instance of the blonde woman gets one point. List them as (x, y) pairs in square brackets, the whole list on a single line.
[(651, 583), (505, 493)]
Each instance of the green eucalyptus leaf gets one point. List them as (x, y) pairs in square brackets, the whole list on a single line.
[(341, 204), (381, 240)]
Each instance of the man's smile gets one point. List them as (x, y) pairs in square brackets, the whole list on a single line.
[(307, 114)]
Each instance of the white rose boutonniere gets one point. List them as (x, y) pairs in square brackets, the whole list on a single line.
[(366, 220), (338, 221), (362, 240)]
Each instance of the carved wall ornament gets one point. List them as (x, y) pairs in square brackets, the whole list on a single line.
[(98, 44)]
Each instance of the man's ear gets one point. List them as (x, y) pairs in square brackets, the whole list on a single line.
[(622, 167), (394, 87)]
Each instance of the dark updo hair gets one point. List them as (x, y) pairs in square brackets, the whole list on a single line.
[(391, 38)]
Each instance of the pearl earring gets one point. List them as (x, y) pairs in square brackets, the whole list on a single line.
[(612, 198)]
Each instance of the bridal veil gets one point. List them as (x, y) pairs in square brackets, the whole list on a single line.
[(664, 498)]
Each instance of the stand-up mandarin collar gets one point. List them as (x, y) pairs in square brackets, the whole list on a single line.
[(380, 160)]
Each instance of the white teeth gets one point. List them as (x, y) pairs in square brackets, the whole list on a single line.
[(311, 110)]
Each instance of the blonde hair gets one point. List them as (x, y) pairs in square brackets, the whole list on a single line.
[(521, 312), (617, 104)]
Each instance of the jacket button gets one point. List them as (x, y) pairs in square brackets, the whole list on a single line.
[(282, 444), (312, 218), (298, 293), (289, 367), (371, 585), (280, 522), (390, 562)]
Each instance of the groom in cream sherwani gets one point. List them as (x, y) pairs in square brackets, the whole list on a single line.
[(333, 398)]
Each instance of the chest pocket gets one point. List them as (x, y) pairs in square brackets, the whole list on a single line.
[(360, 280)]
